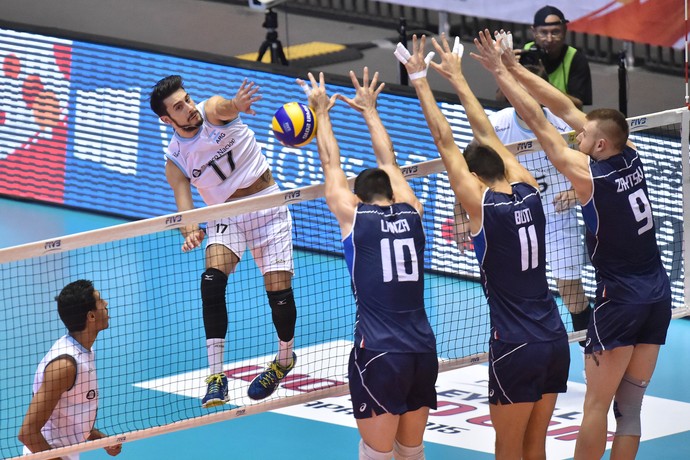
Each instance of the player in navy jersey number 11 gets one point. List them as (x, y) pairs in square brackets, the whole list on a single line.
[(528, 346)]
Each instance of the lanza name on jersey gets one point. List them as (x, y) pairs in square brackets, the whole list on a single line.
[(399, 226)]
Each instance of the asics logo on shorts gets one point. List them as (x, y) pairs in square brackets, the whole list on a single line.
[(363, 407), (589, 340), (491, 393)]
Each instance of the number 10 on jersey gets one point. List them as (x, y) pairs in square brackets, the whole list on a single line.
[(399, 260)]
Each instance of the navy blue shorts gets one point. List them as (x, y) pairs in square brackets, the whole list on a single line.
[(614, 324), (391, 383), (523, 372)]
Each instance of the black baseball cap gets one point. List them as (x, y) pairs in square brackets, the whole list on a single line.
[(548, 10)]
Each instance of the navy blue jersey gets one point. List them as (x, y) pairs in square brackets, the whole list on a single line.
[(621, 237), (510, 247), (385, 256)]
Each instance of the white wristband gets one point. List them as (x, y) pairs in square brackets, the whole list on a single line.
[(422, 73), (416, 75)]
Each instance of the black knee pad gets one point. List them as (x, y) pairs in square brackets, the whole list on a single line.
[(213, 283), (283, 312)]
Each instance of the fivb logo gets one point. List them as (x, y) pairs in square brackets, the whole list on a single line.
[(638, 122), (524, 146), (52, 246), (409, 170), (172, 221), (292, 196)]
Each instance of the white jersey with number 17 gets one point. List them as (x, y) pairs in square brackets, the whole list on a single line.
[(218, 160)]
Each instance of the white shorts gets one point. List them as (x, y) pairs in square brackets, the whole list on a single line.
[(565, 249), (267, 234)]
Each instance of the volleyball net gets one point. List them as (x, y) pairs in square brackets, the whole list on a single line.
[(152, 361)]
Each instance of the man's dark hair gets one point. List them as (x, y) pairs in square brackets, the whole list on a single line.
[(371, 183), (485, 162), (613, 124), (74, 302), (541, 15), (162, 90)]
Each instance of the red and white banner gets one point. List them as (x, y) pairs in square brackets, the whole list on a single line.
[(656, 22)]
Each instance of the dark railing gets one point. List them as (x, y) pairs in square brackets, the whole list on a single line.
[(600, 49)]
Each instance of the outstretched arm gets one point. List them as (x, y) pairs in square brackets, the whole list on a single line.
[(340, 199), (451, 69), (364, 102), (544, 92), (571, 163), (220, 110), (466, 186)]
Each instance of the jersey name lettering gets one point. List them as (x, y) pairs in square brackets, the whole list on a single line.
[(399, 226), (224, 149), (627, 182), (523, 216)]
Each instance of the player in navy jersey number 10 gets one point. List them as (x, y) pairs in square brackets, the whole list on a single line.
[(393, 364), (632, 308), (528, 347)]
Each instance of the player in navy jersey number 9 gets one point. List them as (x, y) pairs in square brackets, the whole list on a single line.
[(528, 347), (393, 364), (213, 150), (632, 308)]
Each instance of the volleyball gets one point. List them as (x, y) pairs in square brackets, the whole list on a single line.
[(294, 124)]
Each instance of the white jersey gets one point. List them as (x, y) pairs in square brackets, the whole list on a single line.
[(218, 160), (75, 413), (509, 130)]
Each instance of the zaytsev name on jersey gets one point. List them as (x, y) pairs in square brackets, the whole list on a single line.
[(510, 248), (385, 257), (621, 236), (218, 160)]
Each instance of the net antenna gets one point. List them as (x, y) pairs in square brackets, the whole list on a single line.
[(271, 44)]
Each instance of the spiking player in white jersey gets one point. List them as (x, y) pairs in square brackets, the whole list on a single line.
[(632, 311), (565, 252), (63, 408), (213, 150), (528, 346), (393, 364)]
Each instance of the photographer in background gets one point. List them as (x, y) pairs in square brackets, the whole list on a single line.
[(567, 67)]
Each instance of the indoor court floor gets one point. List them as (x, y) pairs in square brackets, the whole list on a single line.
[(323, 429)]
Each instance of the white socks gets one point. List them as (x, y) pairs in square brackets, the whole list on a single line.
[(285, 352), (215, 348)]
